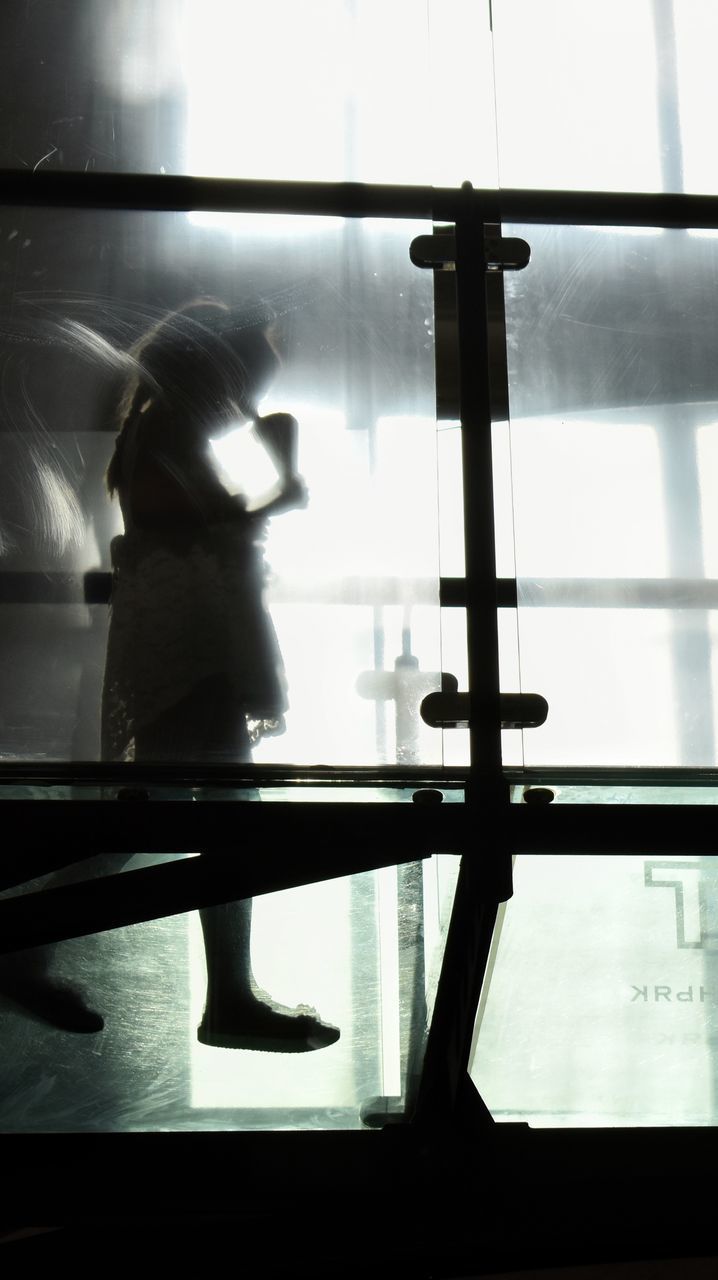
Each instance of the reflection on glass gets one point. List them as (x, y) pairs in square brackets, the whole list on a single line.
[(599, 1005), (340, 103), (353, 578), (609, 792), (326, 89), (334, 90), (559, 127), (696, 28), (599, 456), (385, 932), (612, 396)]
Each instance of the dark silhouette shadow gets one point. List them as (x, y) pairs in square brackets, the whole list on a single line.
[(193, 670)]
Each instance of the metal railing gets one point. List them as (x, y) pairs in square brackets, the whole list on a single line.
[(339, 839)]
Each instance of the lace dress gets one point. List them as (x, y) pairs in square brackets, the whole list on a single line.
[(187, 600)]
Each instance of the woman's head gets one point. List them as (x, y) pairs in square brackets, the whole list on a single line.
[(198, 369), (208, 357)]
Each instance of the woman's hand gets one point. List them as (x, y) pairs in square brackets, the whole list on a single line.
[(288, 495), (278, 433), (295, 494)]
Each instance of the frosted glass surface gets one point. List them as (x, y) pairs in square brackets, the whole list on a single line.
[(613, 395), (667, 792), (364, 950), (334, 90), (326, 89), (560, 125), (599, 1007), (352, 587)]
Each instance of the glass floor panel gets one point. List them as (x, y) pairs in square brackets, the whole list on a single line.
[(599, 1007), (295, 793), (617, 793), (359, 948), (344, 578)]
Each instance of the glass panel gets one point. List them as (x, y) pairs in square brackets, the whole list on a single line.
[(337, 90), (452, 565), (599, 1007), (559, 126), (364, 949), (325, 89), (695, 28), (615, 793), (613, 409), (298, 792), (349, 580)]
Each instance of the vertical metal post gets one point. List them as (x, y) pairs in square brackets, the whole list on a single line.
[(485, 876), (486, 788)]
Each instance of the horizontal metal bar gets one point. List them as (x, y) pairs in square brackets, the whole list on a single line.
[(612, 829), (353, 199), (607, 1183), (111, 775), (611, 775), (185, 884), (170, 192), (48, 836), (160, 780), (39, 587), (604, 208), (618, 593), (592, 593)]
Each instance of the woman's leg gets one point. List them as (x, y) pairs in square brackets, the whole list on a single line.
[(28, 982), (209, 725), (27, 979)]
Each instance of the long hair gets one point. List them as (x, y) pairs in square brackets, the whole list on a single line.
[(203, 362)]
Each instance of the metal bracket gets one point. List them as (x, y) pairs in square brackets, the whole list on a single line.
[(438, 252), (451, 710)]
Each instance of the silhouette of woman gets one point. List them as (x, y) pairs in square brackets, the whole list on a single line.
[(193, 669)]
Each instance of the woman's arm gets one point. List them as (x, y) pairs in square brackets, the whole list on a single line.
[(278, 432), (288, 496)]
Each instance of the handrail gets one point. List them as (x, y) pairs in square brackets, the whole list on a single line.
[(177, 192)]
